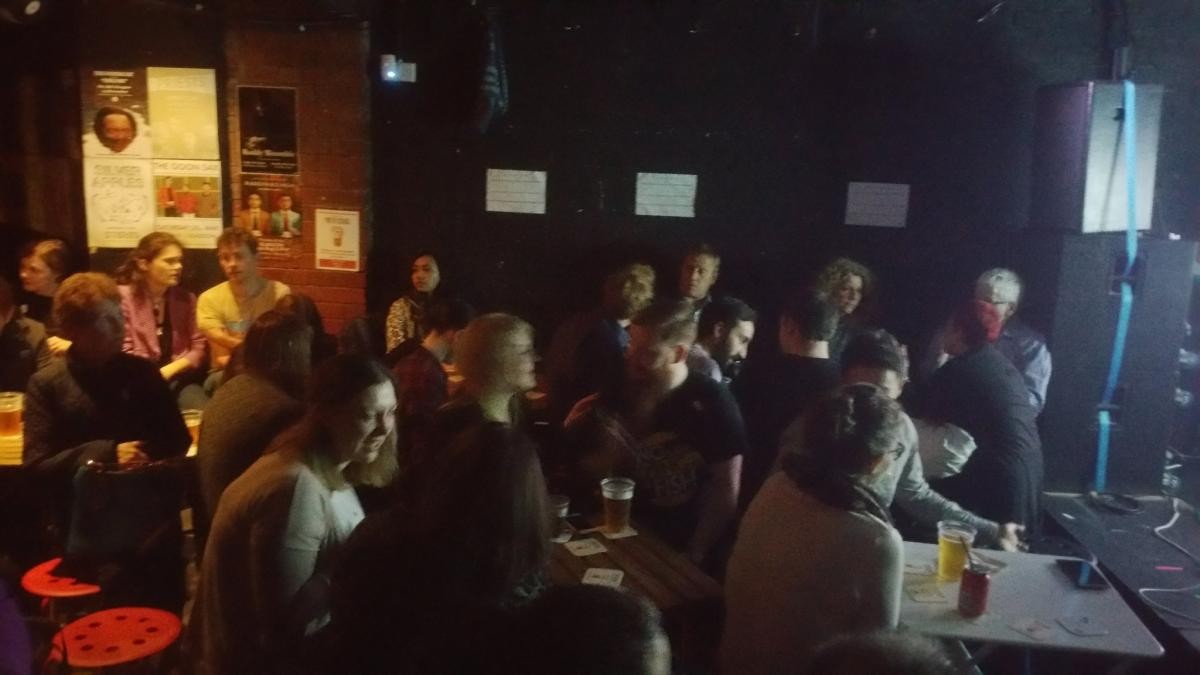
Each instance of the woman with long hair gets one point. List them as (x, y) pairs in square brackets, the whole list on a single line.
[(160, 317), (279, 527), (468, 544), (846, 284), (44, 266), (406, 316), (816, 554)]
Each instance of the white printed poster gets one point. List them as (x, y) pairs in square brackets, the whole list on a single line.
[(877, 204), (515, 191), (666, 194), (337, 240), (187, 200), (119, 201)]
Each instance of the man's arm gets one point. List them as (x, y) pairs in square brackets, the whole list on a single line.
[(1037, 375), (718, 506), (927, 507)]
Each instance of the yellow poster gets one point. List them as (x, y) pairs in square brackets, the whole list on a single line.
[(183, 102)]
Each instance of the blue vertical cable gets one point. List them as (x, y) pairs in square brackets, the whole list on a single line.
[(1129, 129)]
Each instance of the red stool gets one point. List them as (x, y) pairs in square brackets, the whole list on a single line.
[(114, 637), (41, 582)]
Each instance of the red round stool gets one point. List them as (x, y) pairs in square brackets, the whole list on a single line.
[(39, 581), (113, 637)]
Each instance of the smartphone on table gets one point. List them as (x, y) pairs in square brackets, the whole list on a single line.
[(1082, 573)]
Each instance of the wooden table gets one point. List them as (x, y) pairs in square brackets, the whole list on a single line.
[(689, 599)]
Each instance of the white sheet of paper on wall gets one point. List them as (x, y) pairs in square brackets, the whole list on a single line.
[(515, 191), (877, 204), (666, 194)]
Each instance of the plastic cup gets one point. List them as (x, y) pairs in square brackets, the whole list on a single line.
[(618, 502), (954, 538), (12, 403), (560, 506), (193, 418)]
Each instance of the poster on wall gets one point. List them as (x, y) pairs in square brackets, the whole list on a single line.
[(184, 101), (118, 200), (187, 200), (270, 210), (337, 240), (115, 117), (267, 127)]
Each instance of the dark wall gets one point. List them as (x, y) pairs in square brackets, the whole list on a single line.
[(774, 111)]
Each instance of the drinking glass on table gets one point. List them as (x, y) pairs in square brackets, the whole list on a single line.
[(618, 500), (12, 403), (559, 508), (954, 540)]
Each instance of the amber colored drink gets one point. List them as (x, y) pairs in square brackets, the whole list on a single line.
[(953, 540), (618, 503), (192, 419), (11, 405)]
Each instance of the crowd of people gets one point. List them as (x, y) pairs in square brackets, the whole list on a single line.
[(380, 503)]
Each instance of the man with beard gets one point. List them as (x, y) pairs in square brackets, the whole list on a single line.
[(726, 329), (678, 434)]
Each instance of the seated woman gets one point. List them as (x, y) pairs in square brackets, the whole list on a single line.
[(468, 544), (406, 317), (846, 284), (249, 410), (160, 317), (43, 267), (278, 529), (981, 391), (817, 555)]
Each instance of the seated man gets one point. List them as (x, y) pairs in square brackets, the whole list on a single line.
[(587, 350), (23, 348), (777, 388), (226, 311), (421, 386), (875, 357), (726, 329), (678, 434), (1019, 343)]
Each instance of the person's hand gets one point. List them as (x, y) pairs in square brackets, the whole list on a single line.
[(1010, 537), (57, 345), (131, 453)]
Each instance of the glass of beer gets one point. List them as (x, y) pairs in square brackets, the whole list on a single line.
[(11, 405), (954, 538), (618, 498), (192, 419), (560, 506)]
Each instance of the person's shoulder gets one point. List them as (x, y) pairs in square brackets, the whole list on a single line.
[(216, 293), (54, 372), (703, 394), (127, 292), (279, 288)]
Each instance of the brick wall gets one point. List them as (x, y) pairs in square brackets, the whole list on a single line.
[(326, 66)]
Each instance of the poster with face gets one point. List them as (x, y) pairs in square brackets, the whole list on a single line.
[(267, 124), (116, 121), (270, 207), (187, 200)]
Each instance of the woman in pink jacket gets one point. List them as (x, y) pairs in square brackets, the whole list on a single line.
[(160, 317)]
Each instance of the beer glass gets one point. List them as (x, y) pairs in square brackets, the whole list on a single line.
[(11, 405), (192, 419), (953, 540), (618, 500)]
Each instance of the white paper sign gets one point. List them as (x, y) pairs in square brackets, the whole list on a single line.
[(514, 191), (192, 189), (877, 204), (119, 196), (666, 194), (337, 240)]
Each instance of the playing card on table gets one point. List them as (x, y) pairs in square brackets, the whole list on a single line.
[(1082, 626), (918, 567), (585, 547), (925, 593), (600, 576), (1034, 628), (627, 532)]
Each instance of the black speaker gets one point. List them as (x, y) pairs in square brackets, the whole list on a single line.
[(1079, 156), (1072, 291)]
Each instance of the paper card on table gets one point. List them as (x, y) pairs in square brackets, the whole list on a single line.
[(1034, 628), (918, 567), (562, 537), (925, 593), (600, 576), (585, 547), (514, 191), (666, 194), (877, 204), (627, 532), (1082, 626)]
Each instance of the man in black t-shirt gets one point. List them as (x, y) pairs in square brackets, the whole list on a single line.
[(678, 434), (774, 389)]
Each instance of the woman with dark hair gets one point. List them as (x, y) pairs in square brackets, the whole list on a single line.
[(279, 527), (470, 542), (816, 554), (406, 317), (249, 410), (981, 391), (160, 317), (324, 345), (44, 265), (845, 284)]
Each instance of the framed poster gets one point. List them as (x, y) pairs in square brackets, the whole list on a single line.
[(337, 240), (267, 126)]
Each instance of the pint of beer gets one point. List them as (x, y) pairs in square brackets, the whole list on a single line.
[(618, 500), (11, 405), (954, 538), (192, 419)]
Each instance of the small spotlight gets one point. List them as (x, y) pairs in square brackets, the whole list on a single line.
[(391, 73)]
